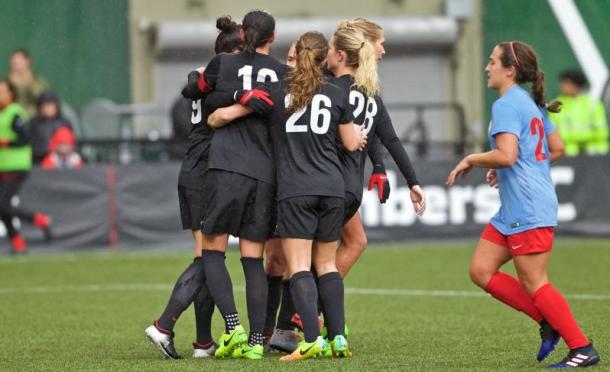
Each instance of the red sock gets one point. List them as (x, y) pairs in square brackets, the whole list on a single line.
[(41, 220), (18, 243), (508, 290), (556, 311)]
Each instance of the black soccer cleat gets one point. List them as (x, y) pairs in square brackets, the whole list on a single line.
[(582, 357), (549, 337), (162, 341)]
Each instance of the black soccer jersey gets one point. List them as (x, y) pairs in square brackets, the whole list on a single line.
[(195, 161), (305, 142), (371, 112), (243, 146)]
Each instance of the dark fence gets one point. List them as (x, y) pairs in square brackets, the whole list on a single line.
[(137, 206)]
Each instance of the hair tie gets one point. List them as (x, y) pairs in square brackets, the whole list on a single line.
[(512, 49), (362, 45)]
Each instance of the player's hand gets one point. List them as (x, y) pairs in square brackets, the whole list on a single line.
[(200, 69), (462, 168), (257, 99), (492, 178), (380, 179), (418, 198), (362, 139)]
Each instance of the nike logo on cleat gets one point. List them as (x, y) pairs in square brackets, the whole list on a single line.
[(227, 342), (303, 352)]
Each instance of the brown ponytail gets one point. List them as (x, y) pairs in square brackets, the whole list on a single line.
[(306, 78), (523, 58)]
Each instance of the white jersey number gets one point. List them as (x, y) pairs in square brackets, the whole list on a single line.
[(319, 119), (358, 99), (196, 113), (262, 75)]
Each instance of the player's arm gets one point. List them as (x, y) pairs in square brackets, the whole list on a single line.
[(385, 130), (352, 136), (223, 116), (556, 147), (379, 177), (23, 134), (386, 133)]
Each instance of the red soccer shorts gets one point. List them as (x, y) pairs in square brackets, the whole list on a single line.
[(537, 240)]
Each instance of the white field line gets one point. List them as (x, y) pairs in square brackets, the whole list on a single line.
[(88, 288)]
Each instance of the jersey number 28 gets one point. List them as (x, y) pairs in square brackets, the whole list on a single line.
[(319, 118)]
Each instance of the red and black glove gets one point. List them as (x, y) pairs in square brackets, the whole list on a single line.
[(202, 84), (4, 142), (380, 179), (257, 99)]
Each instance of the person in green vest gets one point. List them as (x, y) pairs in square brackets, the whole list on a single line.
[(582, 121), (29, 84), (15, 164)]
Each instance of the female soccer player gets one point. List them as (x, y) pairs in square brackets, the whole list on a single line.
[(190, 286), (352, 58), (240, 184), (15, 164), (308, 115), (524, 144)]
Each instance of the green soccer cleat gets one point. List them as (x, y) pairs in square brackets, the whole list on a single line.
[(340, 348), (324, 332), (229, 341), (306, 350), (328, 350), (246, 351)]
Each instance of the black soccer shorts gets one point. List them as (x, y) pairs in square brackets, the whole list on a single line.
[(310, 217), (238, 205)]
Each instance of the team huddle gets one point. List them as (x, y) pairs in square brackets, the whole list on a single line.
[(276, 157)]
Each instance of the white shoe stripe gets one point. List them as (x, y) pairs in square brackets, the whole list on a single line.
[(577, 360), (582, 356), (572, 364)]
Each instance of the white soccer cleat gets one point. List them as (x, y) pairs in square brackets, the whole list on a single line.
[(163, 342), (201, 352)]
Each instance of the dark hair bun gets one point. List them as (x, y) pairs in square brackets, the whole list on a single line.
[(226, 24)]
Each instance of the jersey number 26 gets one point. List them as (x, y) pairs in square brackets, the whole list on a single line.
[(319, 117)]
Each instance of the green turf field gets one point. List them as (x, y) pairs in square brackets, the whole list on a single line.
[(408, 309)]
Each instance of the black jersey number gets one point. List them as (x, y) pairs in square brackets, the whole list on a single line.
[(196, 113), (360, 101), (319, 118), (246, 74)]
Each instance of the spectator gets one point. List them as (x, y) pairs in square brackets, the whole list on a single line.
[(61, 151), (582, 121), (29, 85), (46, 123)]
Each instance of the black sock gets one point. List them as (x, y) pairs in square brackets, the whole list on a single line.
[(286, 308), (274, 285), (332, 296), (256, 292), (305, 297), (185, 290), (220, 286), (204, 309), (256, 338)]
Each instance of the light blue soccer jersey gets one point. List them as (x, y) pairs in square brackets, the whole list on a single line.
[(527, 194)]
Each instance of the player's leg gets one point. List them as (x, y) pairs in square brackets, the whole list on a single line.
[(203, 305), (39, 220), (330, 283), (353, 240), (274, 267), (8, 189), (490, 254), (304, 295), (531, 268)]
